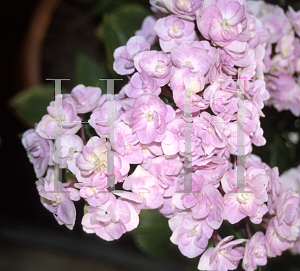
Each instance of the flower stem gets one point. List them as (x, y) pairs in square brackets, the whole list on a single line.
[(82, 129), (263, 226), (215, 236), (221, 189), (248, 228)]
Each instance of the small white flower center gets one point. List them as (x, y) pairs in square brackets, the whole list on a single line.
[(149, 116), (246, 196), (222, 251), (175, 29), (227, 25)]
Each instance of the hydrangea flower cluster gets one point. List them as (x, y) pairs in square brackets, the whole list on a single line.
[(176, 156), (282, 58)]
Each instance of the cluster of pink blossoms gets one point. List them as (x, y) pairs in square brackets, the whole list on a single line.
[(283, 61), (179, 146)]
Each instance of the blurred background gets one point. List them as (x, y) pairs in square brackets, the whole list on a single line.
[(75, 39)]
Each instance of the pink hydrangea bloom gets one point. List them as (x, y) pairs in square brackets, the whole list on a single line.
[(258, 34), (86, 98), (156, 64), (166, 169), (185, 200), (174, 142), (186, 86), (124, 55), (58, 198), (127, 144), (189, 234), (284, 92), (100, 119), (146, 186), (94, 156), (286, 221), (148, 118), (212, 130), (64, 118), (221, 98), (70, 149), (172, 31), (147, 30), (285, 45), (232, 140), (222, 67), (209, 207), (150, 151), (223, 257), (141, 83), (92, 162), (224, 23), (196, 56), (272, 17), (275, 244), (213, 175), (294, 18), (39, 151), (111, 219), (255, 252), (181, 8), (239, 205), (291, 179)]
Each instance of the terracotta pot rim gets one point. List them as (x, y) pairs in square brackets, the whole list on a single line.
[(33, 45)]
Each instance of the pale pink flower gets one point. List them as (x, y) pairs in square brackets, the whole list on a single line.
[(209, 206), (272, 17), (196, 56), (166, 170), (147, 30), (39, 151), (294, 18), (255, 252), (291, 179), (186, 86), (181, 8), (62, 120), (275, 244), (149, 117), (146, 186), (127, 144), (70, 149), (241, 204), (156, 64), (141, 83), (173, 31), (58, 198), (111, 219), (286, 221), (224, 23), (102, 120), (124, 55), (86, 98), (223, 257), (212, 130), (190, 235)]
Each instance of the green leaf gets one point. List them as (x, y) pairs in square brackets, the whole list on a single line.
[(153, 234), (88, 71), (30, 105), (105, 6), (119, 26)]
